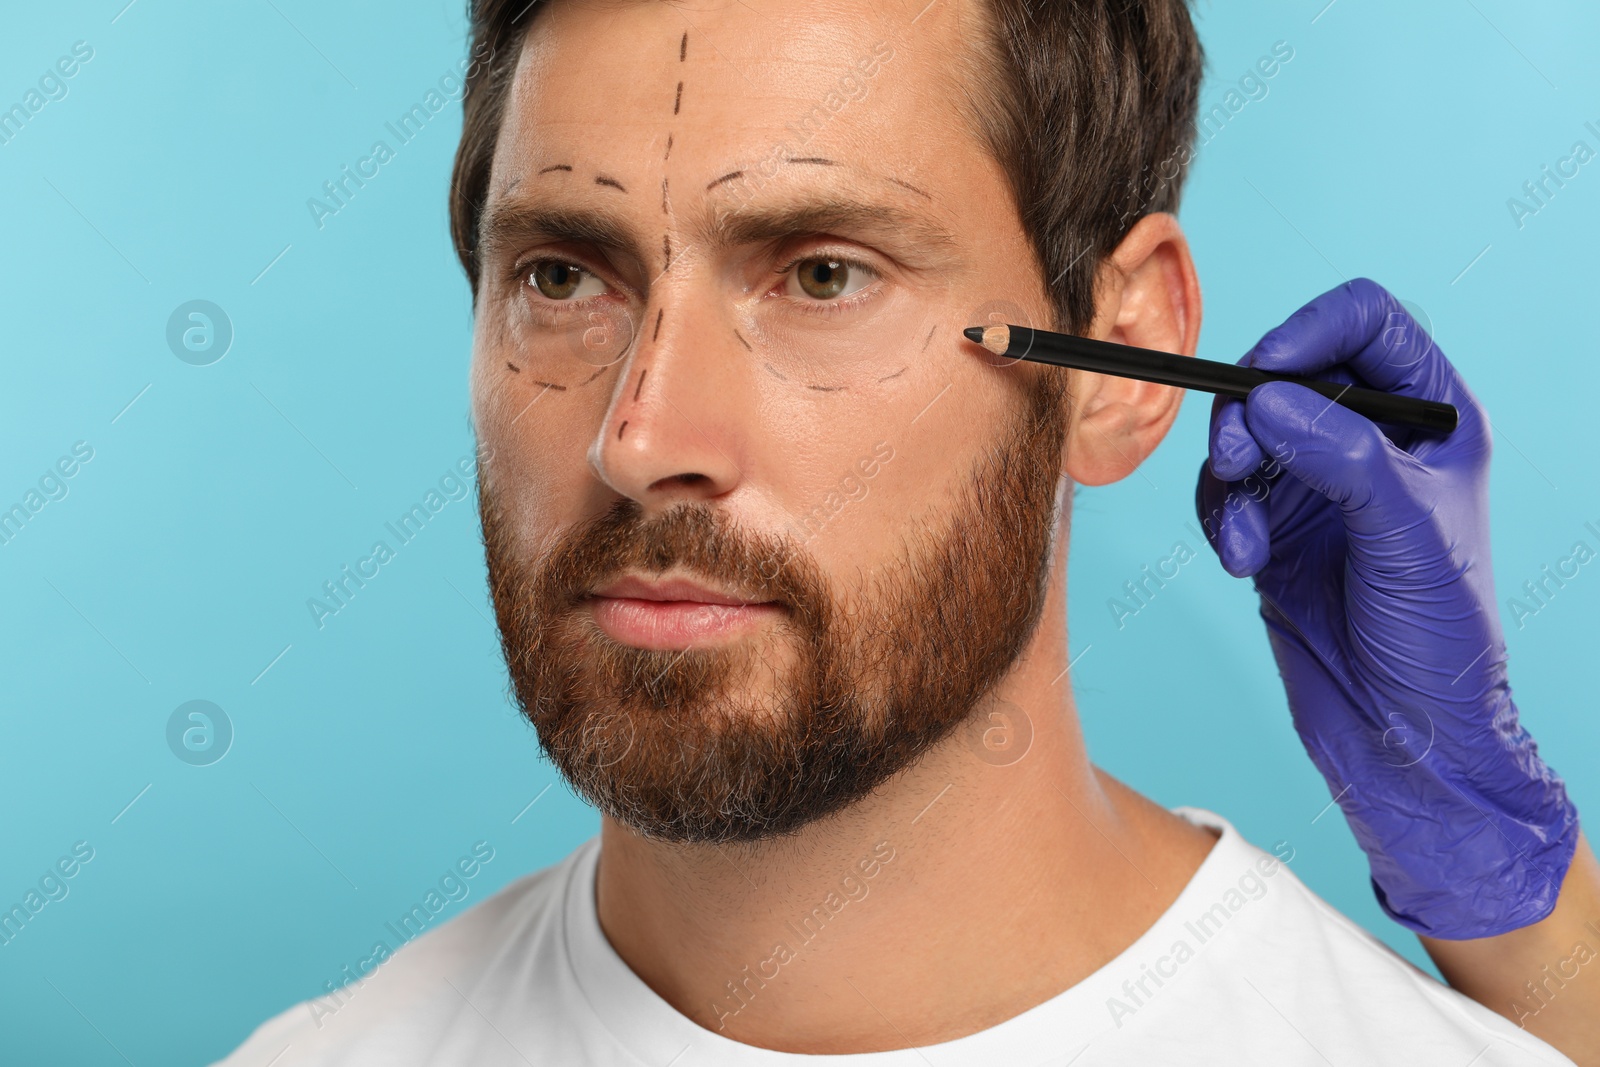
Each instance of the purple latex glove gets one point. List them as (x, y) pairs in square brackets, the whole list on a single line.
[(1371, 557)]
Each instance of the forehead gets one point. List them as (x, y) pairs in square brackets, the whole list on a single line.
[(638, 94)]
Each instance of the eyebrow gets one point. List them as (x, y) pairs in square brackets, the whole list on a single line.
[(516, 221)]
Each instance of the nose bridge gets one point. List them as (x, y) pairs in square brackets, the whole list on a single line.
[(674, 429)]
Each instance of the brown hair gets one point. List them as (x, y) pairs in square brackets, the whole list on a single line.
[(1088, 105)]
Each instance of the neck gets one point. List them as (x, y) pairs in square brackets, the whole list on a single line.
[(963, 892)]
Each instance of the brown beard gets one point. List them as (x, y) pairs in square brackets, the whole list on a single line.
[(688, 746)]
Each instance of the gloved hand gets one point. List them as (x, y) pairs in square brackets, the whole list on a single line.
[(1371, 557)]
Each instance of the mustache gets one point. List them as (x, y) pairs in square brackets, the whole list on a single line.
[(700, 540)]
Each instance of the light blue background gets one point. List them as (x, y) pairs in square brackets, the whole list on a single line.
[(373, 753)]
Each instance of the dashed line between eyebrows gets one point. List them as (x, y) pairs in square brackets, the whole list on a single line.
[(683, 46), (725, 178), (601, 179), (677, 101)]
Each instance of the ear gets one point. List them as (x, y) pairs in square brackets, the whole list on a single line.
[(1148, 295)]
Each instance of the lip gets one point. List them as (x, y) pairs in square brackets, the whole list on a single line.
[(675, 613), (670, 589)]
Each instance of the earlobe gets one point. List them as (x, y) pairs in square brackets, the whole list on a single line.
[(1149, 296)]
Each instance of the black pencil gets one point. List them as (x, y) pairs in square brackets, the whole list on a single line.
[(1188, 372)]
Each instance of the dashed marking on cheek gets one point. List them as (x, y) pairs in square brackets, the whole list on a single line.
[(555, 166), (677, 101), (742, 341), (513, 367), (622, 429), (683, 46), (826, 388), (640, 386), (657, 332), (593, 376), (669, 148), (929, 338), (896, 374), (601, 179), (725, 178), (665, 210), (775, 372)]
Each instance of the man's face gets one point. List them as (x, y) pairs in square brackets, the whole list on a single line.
[(729, 256)]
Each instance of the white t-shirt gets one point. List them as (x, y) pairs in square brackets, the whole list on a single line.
[(1248, 966)]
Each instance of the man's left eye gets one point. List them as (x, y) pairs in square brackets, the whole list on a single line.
[(828, 277)]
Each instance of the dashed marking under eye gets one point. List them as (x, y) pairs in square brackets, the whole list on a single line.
[(925, 340), (896, 374), (775, 372), (551, 385), (826, 388), (742, 341), (593, 376), (601, 179), (514, 368)]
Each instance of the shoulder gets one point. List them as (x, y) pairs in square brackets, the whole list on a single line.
[(393, 1001), (1287, 966)]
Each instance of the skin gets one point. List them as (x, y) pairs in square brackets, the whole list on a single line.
[(1026, 877)]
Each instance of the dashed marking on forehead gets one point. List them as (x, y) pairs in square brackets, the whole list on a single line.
[(913, 188), (820, 161), (728, 177), (555, 166), (601, 179)]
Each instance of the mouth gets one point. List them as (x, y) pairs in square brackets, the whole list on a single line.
[(674, 614)]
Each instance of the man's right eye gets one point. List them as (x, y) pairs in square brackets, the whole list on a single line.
[(556, 280)]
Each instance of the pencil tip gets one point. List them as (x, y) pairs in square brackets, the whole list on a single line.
[(974, 333)]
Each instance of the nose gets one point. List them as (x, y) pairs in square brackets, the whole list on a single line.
[(676, 429)]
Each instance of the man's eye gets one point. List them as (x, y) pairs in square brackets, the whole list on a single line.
[(556, 280), (828, 278)]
